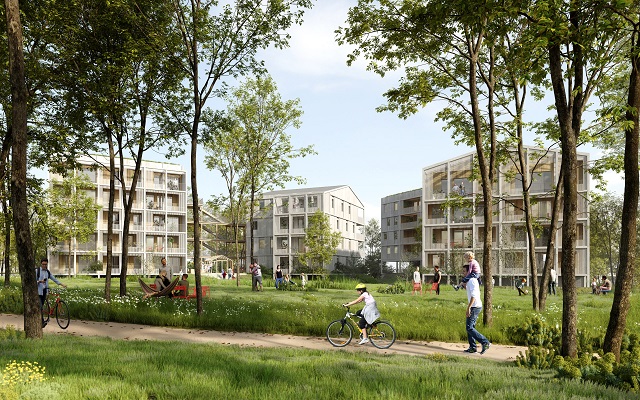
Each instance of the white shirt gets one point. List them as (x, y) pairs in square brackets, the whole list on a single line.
[(416, 277), (554, 275), (473, 291)]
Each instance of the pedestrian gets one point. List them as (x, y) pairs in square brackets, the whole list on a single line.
[(303, 280), (230, 273), (553, 280), (256, 277), (520, 286), (473, 311), (42, 277), (417, 281), (279, 278), (437, 277)]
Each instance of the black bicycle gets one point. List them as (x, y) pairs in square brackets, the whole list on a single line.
[(340, 332)]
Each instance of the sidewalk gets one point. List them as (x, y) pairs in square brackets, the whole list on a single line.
[(120, 331)]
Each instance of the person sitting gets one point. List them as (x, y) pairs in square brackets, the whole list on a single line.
[(520, 287), (606, 285), (162, 282), (182, 282)]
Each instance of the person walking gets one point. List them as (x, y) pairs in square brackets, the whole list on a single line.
[(256, 277), (279, 278), (553, 280), (417, 281), (42, 277), (437, 277), (473, 311)]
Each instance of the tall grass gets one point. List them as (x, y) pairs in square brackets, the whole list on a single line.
[(97, 368), (230, 307)]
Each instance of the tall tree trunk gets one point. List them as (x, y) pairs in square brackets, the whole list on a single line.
[(19, 201), (621, 296), (112, 190), (550, 258), (197, 262), (7, 239)]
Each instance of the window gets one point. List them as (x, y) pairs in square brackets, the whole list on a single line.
[(342, 207), (346, 226), (349, 210), (384, 236), (395, 206), (388, 250), (262, 244), (338, 224), (395, 235), (395, 249), (284, 223), (313, 201), (332, 205), (254, 225), (388, 221), (395, 220)]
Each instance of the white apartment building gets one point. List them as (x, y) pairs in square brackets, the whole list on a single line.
[(279, 224), (158, 226), (448, 232)]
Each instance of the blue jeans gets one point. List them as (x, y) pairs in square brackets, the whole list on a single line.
[(472, 334), (279, 281)]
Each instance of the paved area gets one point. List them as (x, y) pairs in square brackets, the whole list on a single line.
[(145, 332)]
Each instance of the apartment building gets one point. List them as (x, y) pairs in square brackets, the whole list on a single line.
[(280, 222), (158, 225), (400, 225), (450, 229)]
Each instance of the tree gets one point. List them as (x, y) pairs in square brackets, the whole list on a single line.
[(220, 46), (261, 120), (320, 242), (373, 248), (605, 218), (447, 49), (19, 201), (75, 213)]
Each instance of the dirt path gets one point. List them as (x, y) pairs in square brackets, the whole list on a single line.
[(145, 332)]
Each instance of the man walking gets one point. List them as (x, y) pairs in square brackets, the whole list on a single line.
[(473, 311)]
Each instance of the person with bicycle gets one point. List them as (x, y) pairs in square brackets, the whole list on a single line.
[(42, 276), (369, 313)]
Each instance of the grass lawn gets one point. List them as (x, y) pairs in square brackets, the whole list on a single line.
[(96, 368)]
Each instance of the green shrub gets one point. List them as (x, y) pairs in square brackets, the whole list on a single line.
[(535, 332), (536, 357), (391, 289)]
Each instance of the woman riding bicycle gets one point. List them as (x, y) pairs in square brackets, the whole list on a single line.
[(368, 314)]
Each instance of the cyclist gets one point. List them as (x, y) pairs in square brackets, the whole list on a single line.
[(369, 312), (43, 275)]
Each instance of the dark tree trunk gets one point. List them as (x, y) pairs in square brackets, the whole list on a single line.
[(19, 201), (621, 295), (112, 190)]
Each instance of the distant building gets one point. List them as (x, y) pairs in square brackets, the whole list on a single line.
[(158, 226), (448, 232), (400, 225), (280, 222)]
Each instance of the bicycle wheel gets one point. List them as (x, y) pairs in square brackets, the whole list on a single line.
[(46, 311), (339, 333), (382, 335), (62, 314)]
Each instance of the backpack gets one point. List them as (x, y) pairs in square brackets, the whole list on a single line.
[(38, 274)]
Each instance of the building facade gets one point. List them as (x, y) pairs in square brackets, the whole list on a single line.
[(280, 222), (400, 225), (158, 225), (453, 216)]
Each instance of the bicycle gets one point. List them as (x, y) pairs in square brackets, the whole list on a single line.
[(340, 332), (61, 311)]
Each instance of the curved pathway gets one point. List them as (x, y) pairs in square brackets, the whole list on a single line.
[(121, 331)]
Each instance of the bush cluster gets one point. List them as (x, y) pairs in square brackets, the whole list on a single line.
[(396, 288), (592, 365)]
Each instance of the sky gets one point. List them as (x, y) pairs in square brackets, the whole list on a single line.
[(376, 154)]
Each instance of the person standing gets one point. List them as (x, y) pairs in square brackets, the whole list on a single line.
[(417, 281), (437, 277), (303, 280), (42, 276), (553, 280), (256, 274), (279, 278), (473, 311)]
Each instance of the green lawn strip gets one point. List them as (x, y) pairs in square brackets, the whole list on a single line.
[(99, 368)]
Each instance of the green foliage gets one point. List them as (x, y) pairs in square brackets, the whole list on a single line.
[(396, 288), (320, 240), (535, 332)]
